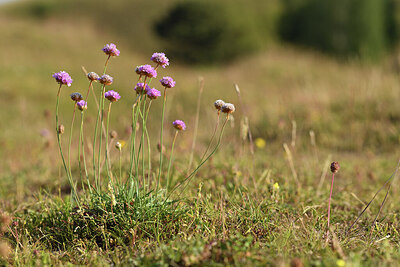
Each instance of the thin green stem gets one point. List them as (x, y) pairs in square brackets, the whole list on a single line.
[(83, 153), (107, 129), (60, 148), (369, 203), (105, 65), (148, 144), (161, 140), (143, 142), (70, 141), (101, 135), (329, 204), (190, 176), (170, 160), (212, 138), (94, 141), (135, 114), (120, 166)]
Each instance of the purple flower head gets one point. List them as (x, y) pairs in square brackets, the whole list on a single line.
[(160, 59), (106, 79), (179, 125), (146, 70), (167, 82), (76, 97), (112, 96), (63, 77), (111, 50), (153, 93), (139, 88), (82, 105)]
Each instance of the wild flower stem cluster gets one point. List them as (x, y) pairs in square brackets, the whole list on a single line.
[(139, 180)]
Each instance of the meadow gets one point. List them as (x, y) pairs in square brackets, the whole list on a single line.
[(258, 201)]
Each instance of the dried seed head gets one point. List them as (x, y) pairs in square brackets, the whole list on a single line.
[(218, 104), (61, 129), (228, 108), (93, 76), (113, 134), (335, 167), (76, 97)]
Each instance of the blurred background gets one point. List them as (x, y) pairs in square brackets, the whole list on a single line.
[(321, 76)]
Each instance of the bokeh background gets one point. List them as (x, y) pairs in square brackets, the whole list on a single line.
[(321, 76)]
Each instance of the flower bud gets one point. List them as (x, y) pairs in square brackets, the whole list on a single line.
[(335, 167), (76, 97), (60, 129)]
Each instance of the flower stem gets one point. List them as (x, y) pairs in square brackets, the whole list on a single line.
[(170, 160), (135, 114), (329, 204), (87, 94), (70, 141), (83, 153), (212, 138), (190, 176), (148, 144), (60, 148), (107, 129), (143, 142), (101, 110), (161, 140), (120, 166)]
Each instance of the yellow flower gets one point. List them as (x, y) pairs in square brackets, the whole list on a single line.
[(276, 186), (260, 143), (340, 263)]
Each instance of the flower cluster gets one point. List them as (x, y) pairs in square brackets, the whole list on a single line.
[(139, 88), (140, 113), (63, 77), (167, 82), (106, 79), (146, 70), (160, 59), (111, 50), (112, 96), (153, 93)]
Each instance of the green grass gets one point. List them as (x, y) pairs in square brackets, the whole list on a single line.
[(230, 214)]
